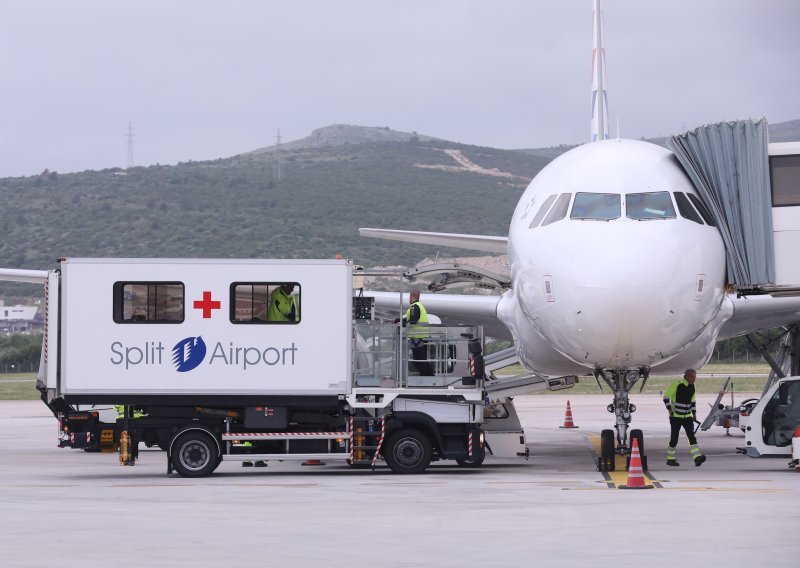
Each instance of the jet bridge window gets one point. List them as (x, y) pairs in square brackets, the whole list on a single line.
[(656, 205), (148, 302), (596, 206), (785, 180), (265, 302), (686, 209)]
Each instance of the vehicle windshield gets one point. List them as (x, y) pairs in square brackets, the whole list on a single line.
[(657, 205), (597, 206)]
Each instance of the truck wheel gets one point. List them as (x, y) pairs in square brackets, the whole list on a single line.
[(408, 451), (194, 454), (470, 462)]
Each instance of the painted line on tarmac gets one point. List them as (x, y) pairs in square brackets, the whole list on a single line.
[(30, 485), (728, 489), (385, 483), (148, 485)]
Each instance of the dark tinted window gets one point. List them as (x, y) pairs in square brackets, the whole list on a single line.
[(542, 211), (785, 180), (686, 209), (598, 206), (148, 302), (265, 302), (701, 207), (559, 210), (657, 205)]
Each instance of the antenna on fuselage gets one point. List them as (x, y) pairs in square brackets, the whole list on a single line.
[(599, 97)]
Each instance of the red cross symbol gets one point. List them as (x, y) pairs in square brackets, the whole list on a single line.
[(207, 304)]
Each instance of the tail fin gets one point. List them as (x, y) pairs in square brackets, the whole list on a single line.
[(599, 98)]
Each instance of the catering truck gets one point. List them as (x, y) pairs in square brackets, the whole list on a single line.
[(217, 360)]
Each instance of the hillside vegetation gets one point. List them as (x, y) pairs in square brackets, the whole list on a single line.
[(237, 207)]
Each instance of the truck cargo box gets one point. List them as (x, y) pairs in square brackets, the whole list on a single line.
[(204, 327)]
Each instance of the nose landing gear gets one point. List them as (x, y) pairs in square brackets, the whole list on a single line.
[(621, 382)]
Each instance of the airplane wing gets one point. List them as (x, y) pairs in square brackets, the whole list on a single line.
[(452, 309), (753, 313), (472, 242), (19, 275)]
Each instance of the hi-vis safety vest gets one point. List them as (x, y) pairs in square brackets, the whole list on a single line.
[(120, 408), (681, 399), (280, 306), (423, 319)]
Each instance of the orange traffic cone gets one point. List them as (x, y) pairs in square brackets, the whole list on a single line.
[(635, 473), (568, 423), (313, 462)]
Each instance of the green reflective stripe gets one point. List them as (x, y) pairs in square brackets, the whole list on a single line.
[(670, 453), (695, 451)]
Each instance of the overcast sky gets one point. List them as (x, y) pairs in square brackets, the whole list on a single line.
[(202, 79)]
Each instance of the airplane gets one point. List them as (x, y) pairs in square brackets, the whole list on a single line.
[(617, 268)]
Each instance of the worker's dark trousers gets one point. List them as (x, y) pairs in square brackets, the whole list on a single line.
[(419, 352), (675, 425)]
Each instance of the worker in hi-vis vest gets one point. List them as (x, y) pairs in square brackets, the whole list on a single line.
[(282, 305), (681, 404), (120, 408), (417, 316)]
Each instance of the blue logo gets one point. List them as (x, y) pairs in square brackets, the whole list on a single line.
[(188, 353)]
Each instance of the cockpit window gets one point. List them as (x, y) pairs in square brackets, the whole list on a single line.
[(656, 205), (543, 211), (686, 209), (701, 207), (559, 210), (597, 206)]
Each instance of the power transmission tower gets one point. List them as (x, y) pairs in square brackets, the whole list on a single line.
[(276, 168), (130, 136)]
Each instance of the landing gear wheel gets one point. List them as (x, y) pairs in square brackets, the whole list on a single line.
[(470, 462), (194, 454), (607, 458), (408, 451), (639, 436)]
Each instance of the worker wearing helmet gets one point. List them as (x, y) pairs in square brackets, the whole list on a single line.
[(681, 402)]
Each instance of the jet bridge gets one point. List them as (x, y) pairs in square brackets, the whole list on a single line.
[(752, 191)]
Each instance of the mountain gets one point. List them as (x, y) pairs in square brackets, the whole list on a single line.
[(337, 180)]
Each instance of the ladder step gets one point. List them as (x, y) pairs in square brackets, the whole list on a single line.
[(365, 447)]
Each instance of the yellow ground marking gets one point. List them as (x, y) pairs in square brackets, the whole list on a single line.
[(620, 476)]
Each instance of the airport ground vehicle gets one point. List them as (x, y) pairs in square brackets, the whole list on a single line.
[(770, 425), (186, 347)]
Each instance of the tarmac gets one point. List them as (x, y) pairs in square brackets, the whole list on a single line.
[(70, 508)]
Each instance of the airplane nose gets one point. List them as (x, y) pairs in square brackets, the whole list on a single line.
[(622, 302)]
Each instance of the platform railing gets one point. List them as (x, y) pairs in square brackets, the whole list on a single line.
[(383, 357)]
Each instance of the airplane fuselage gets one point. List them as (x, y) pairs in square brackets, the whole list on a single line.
[(613, 265)]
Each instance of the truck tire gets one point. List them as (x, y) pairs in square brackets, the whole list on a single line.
[(408, 451), (194, 454)]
